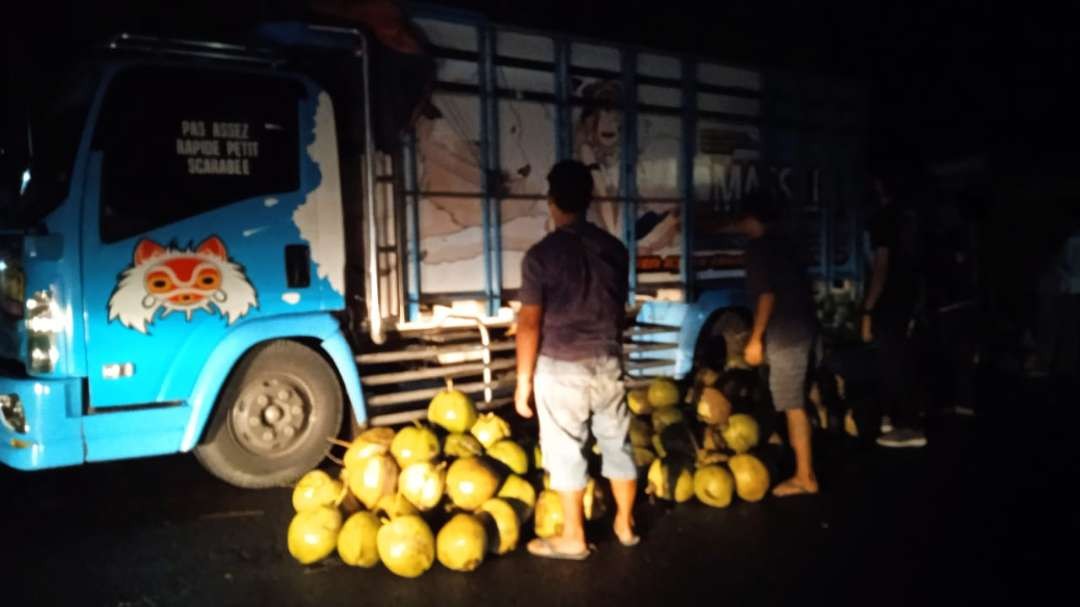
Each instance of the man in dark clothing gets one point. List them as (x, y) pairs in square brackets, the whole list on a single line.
[(952, 316), (784, 331), (569, 335), (888, 316)]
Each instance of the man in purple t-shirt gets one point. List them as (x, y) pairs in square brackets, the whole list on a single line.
[(569, 335)]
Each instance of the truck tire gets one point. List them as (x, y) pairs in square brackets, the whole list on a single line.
[(722, 341), (273, 417)]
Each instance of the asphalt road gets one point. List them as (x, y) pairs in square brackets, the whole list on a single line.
[(973, 518)]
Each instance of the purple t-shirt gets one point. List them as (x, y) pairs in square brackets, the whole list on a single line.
[(774, 264), (579, 274)]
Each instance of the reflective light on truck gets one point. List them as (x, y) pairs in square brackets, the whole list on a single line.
[(25, 182), (12, 413), (40, 356), (44, 323)]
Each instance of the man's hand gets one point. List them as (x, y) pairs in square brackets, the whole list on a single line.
[(754, 352), (528, 346), (522, 394), (866, 328)]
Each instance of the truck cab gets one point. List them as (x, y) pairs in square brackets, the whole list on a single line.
[(208, 251)]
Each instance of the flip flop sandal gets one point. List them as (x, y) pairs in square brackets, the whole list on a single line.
[(545, 549), (634, 540), (798, 490)]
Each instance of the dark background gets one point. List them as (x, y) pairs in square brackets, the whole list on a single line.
[(984, 516), (983, 84)]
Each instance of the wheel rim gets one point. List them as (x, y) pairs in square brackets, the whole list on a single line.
[(272, 415)]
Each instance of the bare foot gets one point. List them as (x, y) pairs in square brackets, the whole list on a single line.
[(624, 532), (567, 546), (796, 486), (549, 548)]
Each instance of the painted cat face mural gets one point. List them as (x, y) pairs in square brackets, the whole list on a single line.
[(181, 280)]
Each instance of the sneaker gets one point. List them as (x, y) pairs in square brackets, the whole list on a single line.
[(961, 410), (902, 438), (886, 424)]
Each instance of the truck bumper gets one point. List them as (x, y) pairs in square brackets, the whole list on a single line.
[(50, 434)]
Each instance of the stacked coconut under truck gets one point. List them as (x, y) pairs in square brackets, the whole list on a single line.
[(462, 488)]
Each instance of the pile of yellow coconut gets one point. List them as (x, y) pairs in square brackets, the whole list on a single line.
[(459, 489)]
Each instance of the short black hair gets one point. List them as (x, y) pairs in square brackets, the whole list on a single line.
[(570, 186)]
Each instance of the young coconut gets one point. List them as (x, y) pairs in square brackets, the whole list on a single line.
[(663, 392), (414, 444), (357, 543), (751, 477), (662, 418), (406, 546), (461, 543), (423, 484), (741, 433), (374, 479), (670, 481), (502, 525), (313, 534), (520, 494), (490, 429), (549, 515), (713, 408), (462, 445), (470, 482), (510, 453), (452, 410), (638, 402), (394, 506), (315, 489), (595, 502), (713, 486), (375, 441)]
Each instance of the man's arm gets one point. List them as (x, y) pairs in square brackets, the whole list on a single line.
[(755, 351), (528, 345), (878, 271)]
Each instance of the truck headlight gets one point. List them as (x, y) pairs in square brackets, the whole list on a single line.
[(11, 411), (44, 323)]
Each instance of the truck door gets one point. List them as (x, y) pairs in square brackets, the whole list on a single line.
[(189, 229)]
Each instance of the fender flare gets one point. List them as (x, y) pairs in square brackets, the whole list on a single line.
[(220, 363), (697, 314)]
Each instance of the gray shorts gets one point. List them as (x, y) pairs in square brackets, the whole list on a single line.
[(789, 363), (571, 398)]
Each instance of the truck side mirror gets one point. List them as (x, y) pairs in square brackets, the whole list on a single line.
[(14, 140), (10, 184)]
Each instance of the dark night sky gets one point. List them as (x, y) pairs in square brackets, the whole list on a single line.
[(946, 78)]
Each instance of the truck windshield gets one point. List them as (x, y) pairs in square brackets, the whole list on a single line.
[(57, 110)]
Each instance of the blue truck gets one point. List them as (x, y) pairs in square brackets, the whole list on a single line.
[(207, 252)]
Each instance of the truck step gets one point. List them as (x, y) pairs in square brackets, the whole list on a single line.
[(429, 352), (424, 395), (393, 419), (651, 330), (642, 363), (639, 346), (384, 379)]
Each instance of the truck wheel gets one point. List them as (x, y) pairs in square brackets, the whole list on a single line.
[(273, 417), (722, 341)]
